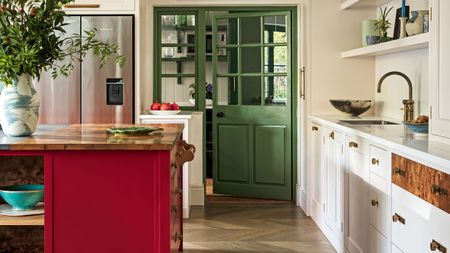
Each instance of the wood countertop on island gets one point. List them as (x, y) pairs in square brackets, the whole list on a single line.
[(92, 137)]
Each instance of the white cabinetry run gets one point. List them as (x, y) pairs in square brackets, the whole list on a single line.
[(101, 5)]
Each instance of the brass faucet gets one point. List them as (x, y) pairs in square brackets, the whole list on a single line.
[(408, 115)]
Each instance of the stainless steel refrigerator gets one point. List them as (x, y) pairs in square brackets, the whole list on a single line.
[(91, 95)]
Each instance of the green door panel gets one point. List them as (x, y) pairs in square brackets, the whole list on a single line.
[(252, 132), (270, 155), (234, 155)]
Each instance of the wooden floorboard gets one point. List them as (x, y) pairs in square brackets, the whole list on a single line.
[(252, 227)]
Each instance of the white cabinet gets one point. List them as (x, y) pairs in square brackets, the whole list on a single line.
[(101, 5), (357, 196), (378, 242), (334, 171), (440, 76), (317, 180)]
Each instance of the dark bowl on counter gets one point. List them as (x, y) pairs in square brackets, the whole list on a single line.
[(351, 107)]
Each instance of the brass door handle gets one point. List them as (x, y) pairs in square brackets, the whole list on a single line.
[(82, 6), (315, 129), (436, 189), (375, 161), (353, 144), (303, 83), (374, 202), (398, 218), (332, 135), (398, 171), (434, 246)]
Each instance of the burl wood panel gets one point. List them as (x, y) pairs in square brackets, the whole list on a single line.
[(425, 182), (16, 170)]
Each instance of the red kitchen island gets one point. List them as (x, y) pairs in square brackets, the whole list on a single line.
[(103, 193)]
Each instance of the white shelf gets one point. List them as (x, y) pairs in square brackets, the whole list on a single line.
[(406, 44), (353, 4)]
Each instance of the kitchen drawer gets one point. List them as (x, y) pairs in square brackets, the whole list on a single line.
[(380, 163), (426, 183), (378, 242), (411, 227), (380, 204)]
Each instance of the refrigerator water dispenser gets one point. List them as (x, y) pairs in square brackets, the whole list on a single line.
[(114, 87)]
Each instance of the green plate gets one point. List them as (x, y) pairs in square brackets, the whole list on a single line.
[(133, 131)]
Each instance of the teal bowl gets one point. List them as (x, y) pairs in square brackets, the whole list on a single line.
[(23, 197), (418, 128)]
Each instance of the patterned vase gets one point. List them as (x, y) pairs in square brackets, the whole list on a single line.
[(19, 107)]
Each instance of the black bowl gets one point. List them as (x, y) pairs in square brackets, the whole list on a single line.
[(352, 107)]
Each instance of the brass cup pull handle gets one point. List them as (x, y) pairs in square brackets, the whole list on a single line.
[(436, 189), (174, 209), (398, 218), (374, 202), (375, 161), (332, 135), (315, 129), (398, 171), (434, 246), (177, 237), (179, 191), (353, 144), (82, 6), (173, 165)]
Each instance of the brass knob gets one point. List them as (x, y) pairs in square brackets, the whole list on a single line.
[(434, 246), (315, 129), (398, 171), (332, 135), (353, 144), (374, 202), (398, 218), (375, 161), (436, 189)]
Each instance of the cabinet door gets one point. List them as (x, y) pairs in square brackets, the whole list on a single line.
[(380, 204), (378, 243), (357, 208), (315, 168), (334, 182), (440, 76)]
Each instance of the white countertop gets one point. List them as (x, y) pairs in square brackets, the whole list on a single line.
[(396, 138)]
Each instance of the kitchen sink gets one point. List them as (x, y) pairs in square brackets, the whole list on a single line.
[(368, 122)]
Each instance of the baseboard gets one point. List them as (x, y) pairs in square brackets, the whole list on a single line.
[(197, 195)]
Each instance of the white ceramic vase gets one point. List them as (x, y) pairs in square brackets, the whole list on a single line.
[(19, 107)]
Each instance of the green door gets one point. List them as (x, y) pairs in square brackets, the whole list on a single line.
[(252, 124)]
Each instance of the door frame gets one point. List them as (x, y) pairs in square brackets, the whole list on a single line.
[(296, 59)]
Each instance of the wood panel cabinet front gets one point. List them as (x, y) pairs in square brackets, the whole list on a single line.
[(425, 182)]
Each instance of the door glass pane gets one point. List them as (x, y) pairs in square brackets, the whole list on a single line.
[(275, 90), (227, 31), (251, 90), (227, 63), (275, 59), (251, 60), (250, 30), (227, 93), (178, 21), (275, 29), (179, 90)]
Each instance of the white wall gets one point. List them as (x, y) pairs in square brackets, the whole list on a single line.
[(413, 63)]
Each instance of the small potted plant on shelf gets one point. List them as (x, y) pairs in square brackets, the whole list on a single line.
[(383, 24), (33, 39)]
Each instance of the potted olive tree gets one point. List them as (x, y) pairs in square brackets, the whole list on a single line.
[(33, 39)]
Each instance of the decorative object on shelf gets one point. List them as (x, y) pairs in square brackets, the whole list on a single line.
[(28, 47), (23, 197), (383, 24), (368, 30), (397, 21), (426, 23), (372, 40), (415, 24), (8, 210), (403, 21), (133, 131), (351, 107)]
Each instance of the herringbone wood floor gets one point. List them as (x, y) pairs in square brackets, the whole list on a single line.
[(250, 227)]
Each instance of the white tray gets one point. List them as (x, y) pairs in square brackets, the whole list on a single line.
[(164, 112)]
